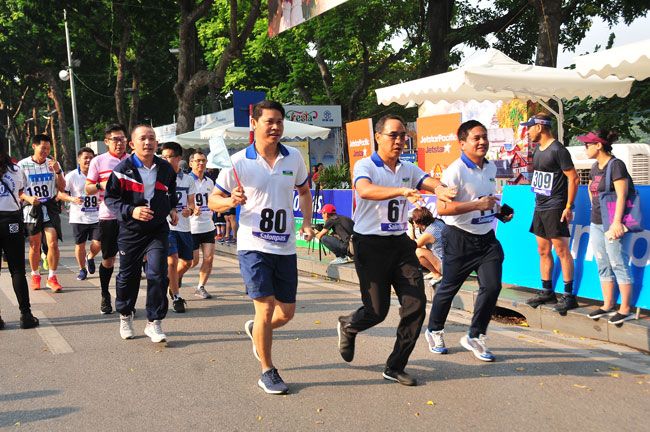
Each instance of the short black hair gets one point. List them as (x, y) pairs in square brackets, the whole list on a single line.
[(41, 137), (173, 146), (115, 127), (379, 126), (464, 128), (140, 125), (85, 150), (269, 105), (610, 137)]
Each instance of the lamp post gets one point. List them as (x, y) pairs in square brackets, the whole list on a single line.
[(68, 74)]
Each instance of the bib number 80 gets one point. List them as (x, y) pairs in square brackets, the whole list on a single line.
[(273, 221)]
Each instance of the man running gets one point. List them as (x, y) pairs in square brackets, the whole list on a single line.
[(201, 223), (84, 216), (43, 180), (269, 172), (99, 171), (555, 184), (180, 254)]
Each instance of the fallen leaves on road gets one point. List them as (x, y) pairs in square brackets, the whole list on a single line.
[(259, 418), (556, 331), (318, 410), (520, 369), (432, 403), (614, 368), (317, 322), (615, 374), (580, 386)]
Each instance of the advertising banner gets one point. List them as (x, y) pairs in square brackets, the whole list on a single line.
[(284, 14), (361, 142), (520, 248), (303, 147), (437, 142), (242, 99), (328, 116)]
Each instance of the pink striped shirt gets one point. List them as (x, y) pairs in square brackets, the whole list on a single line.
[(100, 170)]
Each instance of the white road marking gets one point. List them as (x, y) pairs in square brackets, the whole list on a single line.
[(51, 336)]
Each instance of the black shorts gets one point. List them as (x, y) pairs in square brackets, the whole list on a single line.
[(230, 212), (547, 224), (30, 228), (206, 237), (108, 229), (84, 232)]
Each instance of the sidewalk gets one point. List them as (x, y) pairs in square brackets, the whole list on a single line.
[(635, 334)]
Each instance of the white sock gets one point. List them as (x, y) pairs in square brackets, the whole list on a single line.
[(36, 273), (51, 273)]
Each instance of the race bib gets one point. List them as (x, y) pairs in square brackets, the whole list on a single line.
[(392, 213), (201, 200), (271, 225), (90, 204), (181, 200), (542, 183)]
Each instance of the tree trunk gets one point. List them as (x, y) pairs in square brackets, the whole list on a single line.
[(120, 77), (438, 26), (550, 22), (68, 157), (135, 96)]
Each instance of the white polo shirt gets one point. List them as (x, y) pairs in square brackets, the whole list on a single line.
[(185, 186), (9, 199), (88, 211), (203, 188), (472, 183), (39, 181), (266, 222), (387, 217)]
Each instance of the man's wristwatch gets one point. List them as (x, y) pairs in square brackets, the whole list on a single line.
[(570, 206), (98, 185), (58, 172)]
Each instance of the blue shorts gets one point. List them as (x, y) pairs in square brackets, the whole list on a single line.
[(181, 243), (267, 274)]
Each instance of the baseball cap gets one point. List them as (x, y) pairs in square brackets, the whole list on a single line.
[(591, 138), (534, 120), (328, 208)]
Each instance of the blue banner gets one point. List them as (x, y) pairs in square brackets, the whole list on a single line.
[(340, 198), (521, 265)]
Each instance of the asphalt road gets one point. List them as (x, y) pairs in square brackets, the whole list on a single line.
[(75, 373)]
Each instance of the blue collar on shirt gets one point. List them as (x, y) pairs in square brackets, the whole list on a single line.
[(379, 161), (179, 174), (251, 153), (136, 161), (468, 161)]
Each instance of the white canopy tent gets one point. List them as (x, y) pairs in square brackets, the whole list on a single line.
[(631, 60), (494, 76)]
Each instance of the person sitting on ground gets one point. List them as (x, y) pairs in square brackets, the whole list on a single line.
[(429, 247), (338, 241)]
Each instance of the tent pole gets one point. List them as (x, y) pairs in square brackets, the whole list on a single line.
[(559, 116)]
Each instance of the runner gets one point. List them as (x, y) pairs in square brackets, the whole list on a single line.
[(555, 184), (384, 255), (180, 254), (98, 173), (84, 216), (469, 242), (201, 223), (269, 173), (141, 192), (43, 180)]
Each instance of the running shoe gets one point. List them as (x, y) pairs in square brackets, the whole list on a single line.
[(249, 331), (90, 262), (230, 241), (346, 342), (28, 321), (435, 281), (542, 298), (154, 331), (201, 292), (478, 347), (126, 326), (400, 377), (46, 265), (339, 260), (436, 341), (272, 383), (53, 284), (106, 307), (428, 276), (599, 313), (83, 275), (566, 303), (36, 282), (620, 318), (178, 304)]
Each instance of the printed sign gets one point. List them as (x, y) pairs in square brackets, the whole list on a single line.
[(317, 115), (437, 142), (284, 14), (361, 142)]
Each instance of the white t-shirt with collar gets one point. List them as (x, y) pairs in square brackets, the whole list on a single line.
[(387, 217), (185, 186), (88, 211), (203, 188), (266, 222), (472, 183)]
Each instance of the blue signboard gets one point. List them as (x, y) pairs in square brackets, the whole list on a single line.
[(242, 99), (340, 198), (521, 265)]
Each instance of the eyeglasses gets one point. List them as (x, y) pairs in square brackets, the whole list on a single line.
[(200, 161), (116, 139), (393, 136)]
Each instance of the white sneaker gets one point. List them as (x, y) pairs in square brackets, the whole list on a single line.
[(154, 331), (478, 347), (436, 341), (126, 326), (435, 281), (201, 292), (339, 260)]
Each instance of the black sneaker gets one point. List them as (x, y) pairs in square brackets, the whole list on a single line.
[(620, 318), (400, 377), (2, 324), (346, 343), (599, 313), (566, 303), (106, 307), (28, 321), (178, 305), (542, 298), (90, 262)]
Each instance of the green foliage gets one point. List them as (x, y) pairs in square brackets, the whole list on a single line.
[(335, 177)]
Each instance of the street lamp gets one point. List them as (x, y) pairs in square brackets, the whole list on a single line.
[(68, 74)]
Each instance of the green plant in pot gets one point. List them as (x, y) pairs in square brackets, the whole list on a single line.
[(335, 177)]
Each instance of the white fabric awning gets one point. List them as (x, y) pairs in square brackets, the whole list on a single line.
[(632, 60), (291, 130)]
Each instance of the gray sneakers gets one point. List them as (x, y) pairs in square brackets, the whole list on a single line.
[(201, 292), (154, 331)]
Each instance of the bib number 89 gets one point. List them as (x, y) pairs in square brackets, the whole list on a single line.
[(273, 221)]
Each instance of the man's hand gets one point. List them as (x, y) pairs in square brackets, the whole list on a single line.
[(413, 196), (145, 214), (173, 217), (567, 215), (35, 201), (77, 200), (186, 212), (54, 165), (486, 203), (238, 196), (197, 211), (445, 194), (307, 232)]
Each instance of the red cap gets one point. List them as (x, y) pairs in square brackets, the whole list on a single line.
[(591, 138), (328, 208)]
